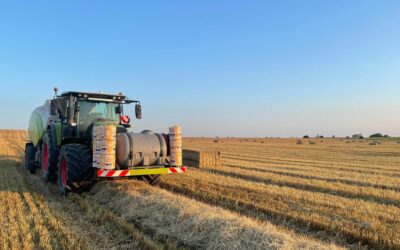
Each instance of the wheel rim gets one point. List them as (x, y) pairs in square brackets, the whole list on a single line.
[(64, 172), (45, 162)]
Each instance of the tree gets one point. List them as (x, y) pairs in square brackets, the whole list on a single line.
[(306, 137), (377, 135)]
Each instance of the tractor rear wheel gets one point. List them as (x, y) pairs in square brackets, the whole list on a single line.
[(75, 169), (30, 153), (49, 157), (152, 179)]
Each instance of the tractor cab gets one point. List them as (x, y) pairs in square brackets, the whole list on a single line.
[(80, 110)]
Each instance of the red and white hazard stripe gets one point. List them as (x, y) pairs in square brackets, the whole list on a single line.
[(112, 173), (177, 170)]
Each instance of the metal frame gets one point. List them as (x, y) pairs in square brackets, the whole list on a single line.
[(104, 173), (99, 97)]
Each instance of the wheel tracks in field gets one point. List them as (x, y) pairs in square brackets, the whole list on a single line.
[(43, 235), (51, 229), (262, 214), (284, 207), (3, 220), (371, 194), (315, 177), (97, 213), (5, 225), (109, 210), (31, 232), (98, 221), (49, 218), (14, 231), (194, 224), (67, 238), (24, 218)]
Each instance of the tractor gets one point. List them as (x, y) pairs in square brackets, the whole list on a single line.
[(77, 138)]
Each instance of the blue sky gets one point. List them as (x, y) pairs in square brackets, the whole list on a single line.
[(227, 68)]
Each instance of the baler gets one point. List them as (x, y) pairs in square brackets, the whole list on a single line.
[(77, 138)]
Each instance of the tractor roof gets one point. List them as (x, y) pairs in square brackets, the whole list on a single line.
[(95, 95), (98, 96)]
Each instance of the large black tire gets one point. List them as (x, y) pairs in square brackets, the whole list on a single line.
[(30, 152), (49, 157), (152, 179), (75, 169)]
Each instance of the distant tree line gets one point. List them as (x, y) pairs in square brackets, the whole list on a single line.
[(378, 135)]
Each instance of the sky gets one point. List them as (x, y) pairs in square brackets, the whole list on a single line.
[(217, 68)]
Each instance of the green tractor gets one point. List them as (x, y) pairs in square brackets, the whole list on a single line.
[(65, 147)]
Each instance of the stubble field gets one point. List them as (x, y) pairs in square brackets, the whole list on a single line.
[(268, 194)]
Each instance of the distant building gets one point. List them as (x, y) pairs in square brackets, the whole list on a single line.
[(358, 136)]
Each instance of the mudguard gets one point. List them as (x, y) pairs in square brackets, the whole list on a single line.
[(56, 131)]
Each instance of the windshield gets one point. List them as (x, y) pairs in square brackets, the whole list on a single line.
[(90, 112)]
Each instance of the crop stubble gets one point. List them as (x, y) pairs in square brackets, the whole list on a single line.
[(265, 195)]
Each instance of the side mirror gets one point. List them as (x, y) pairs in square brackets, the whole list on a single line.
[(138, 111)]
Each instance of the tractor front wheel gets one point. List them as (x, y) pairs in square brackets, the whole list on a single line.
[(30, 153), (49, 157), (75, 169)]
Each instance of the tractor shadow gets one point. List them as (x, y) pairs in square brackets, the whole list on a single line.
[(10, 178), (12, 168)]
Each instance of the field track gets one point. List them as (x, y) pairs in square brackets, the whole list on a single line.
[(271, 195)]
